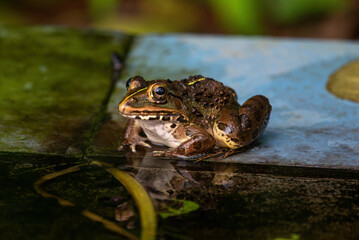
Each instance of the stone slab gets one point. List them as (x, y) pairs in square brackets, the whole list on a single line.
[(308, 126), (52, 82)]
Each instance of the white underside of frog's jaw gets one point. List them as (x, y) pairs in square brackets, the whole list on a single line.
[(152, 117), (159, 132)]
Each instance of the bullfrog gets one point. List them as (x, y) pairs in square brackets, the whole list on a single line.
[(196, 117)]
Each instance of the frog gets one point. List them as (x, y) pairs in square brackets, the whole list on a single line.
[(196, 117)]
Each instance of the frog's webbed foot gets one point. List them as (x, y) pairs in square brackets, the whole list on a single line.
[(197, 157), (216, 153), (159, 153), (139, 141), (169, 153), (230, 152), (174, 154), (224, 152)]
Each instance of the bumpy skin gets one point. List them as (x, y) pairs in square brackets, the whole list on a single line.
[(196, 117)]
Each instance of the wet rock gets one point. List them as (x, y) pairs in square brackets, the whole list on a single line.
[(53, 81)]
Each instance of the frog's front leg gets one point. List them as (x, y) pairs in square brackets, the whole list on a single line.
[(237, 128), (132, 136), (196, 142)]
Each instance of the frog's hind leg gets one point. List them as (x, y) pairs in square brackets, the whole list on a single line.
[(254, 116), (199, 142), (236, 129)]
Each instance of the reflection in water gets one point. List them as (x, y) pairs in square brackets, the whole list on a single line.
[(235, 200), (247, 201), (125, 214), (143, 202), (167, 179)]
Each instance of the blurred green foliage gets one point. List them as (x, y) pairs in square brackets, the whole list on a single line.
[(140, 16), (294, 11), (100, 8), (239, 16), (248, 16)]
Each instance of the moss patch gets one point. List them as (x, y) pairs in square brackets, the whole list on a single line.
[(52, 82), (344, 83)]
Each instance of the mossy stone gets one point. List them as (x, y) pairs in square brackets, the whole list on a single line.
[(52, 83)]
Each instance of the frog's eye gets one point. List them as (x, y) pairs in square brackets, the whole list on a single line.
[(128, 83), (158, 93)]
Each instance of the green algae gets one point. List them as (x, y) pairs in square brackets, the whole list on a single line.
[(186, 207), (292, 237), (52, 81), (344, 83)]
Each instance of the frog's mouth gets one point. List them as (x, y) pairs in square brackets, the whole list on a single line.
[(158, 115), (152, 117), (152, 114)]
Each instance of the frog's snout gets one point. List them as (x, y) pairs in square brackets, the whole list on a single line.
[(122, 107), (126, 104)]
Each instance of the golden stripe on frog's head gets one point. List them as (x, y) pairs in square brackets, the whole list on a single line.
[(122, 105), (197, 80), (131, 95)]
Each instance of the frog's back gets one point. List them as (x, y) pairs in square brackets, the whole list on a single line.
[(208, 92), (205, 99)]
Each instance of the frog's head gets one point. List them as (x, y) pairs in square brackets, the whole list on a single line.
[(152, 100)]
